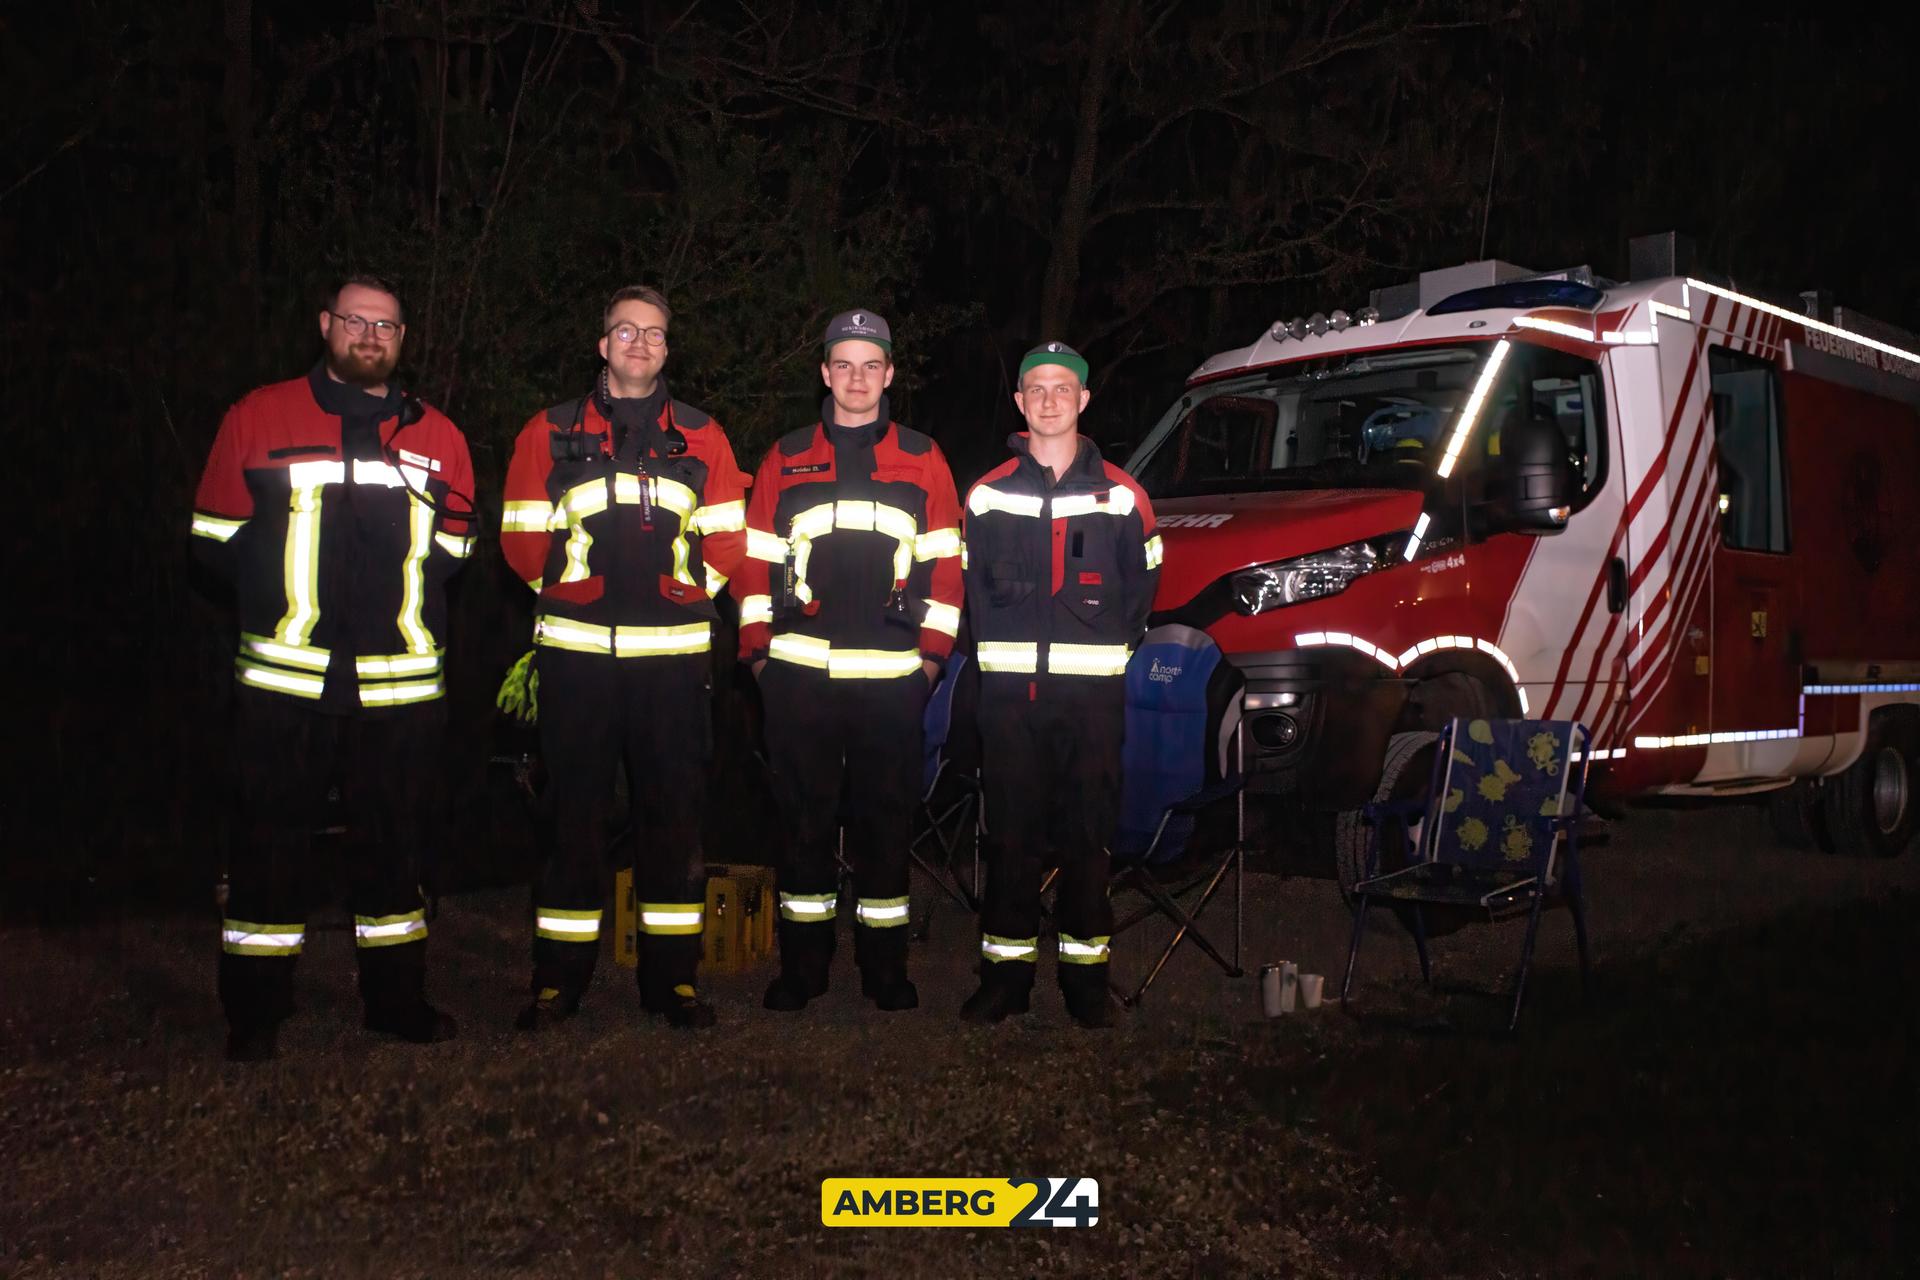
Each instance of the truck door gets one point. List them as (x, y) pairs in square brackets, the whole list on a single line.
[(1755, 651)]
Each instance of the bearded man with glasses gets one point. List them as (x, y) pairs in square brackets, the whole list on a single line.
[(625, 513)]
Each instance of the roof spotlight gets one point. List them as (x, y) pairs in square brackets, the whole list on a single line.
[(1339, 320), (1279, 331), (1368, 315), (1317, 324), (1297, 328)]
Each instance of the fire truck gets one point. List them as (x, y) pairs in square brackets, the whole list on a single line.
[(1669, 509)]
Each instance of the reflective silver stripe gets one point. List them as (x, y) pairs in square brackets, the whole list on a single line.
[(937, 544), (569, 925), (294, 682), (291, 655), (881, 912), (1155, 552), (526, 517), (246, 938), (943, 618), (872, 664), (1085, 660), (809, 906), (762, 545), (301, 557), (386, 931), (1013, 656), (457, 547), (1000, 949), (561, 633), (1117, 501), (803, 650), (391, 666), (985, 498), (1083, 950), (219, 528), (721, 517), (672, 918), (630, 642), (393, 695), (716, 581)]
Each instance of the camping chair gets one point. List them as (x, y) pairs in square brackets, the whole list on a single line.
[(1182, 756), (1491, 836), (949, 817)]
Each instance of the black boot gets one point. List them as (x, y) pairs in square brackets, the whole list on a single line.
[(682, 1008), (549, 1008), (417, 1024), (1085, 987), (806, 957), (1001, 994), (882, 954), (790, 992)]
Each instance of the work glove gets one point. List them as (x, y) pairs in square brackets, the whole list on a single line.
[(519, 694)]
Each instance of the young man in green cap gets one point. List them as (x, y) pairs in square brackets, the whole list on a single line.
[(1061, 563), (849, 602)]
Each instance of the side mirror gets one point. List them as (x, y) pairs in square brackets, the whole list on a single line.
[(1535, 493)]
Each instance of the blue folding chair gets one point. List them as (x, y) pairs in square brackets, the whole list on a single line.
[(948, 820), (1497, 832), (1181, 757)]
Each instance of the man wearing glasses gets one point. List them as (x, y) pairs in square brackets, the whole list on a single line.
[(337, 506), (625, 512)]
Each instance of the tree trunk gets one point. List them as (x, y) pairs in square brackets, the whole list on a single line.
[(1062, 281)]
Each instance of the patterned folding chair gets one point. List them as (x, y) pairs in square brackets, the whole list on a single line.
[(947, 826), (1497, 833)]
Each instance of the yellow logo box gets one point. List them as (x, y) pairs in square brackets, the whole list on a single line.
[(959, 1202)]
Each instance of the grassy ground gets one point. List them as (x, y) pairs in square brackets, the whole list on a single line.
[(1738, 1099)]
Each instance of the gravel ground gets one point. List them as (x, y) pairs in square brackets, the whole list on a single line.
[(1408, 1137)]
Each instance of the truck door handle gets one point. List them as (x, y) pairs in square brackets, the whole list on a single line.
[(1616, 585)]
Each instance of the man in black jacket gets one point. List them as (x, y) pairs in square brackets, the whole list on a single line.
[(1061, 563)]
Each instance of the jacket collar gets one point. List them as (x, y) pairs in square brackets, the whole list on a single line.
[(1085, 472)]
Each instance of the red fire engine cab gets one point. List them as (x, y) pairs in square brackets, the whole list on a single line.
[(1671, 510)]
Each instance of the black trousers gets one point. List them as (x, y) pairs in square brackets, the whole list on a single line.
[(1050, 775), (846, 752), (389, 764), (655, 715)]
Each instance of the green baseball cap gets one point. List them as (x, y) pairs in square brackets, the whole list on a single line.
[(1055, 353)]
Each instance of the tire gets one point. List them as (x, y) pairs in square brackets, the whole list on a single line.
[(1405, 774), (1871, 809), (1798, 815)]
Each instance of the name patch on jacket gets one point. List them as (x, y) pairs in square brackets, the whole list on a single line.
[(418, 459), (1089, 579), (807, 469)]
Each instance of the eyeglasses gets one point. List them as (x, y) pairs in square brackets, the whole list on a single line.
[(628, 334), (383, 330)]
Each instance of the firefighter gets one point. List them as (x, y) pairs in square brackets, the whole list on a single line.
[(626, 513), (849, 602), (337, 506), (1061, 562)]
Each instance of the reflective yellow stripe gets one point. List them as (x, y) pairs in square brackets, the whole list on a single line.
[(1083, 950), (721, 517), (1155, 552), (937, 544), (640, 642), (578, 503), (563, 633), (999, 950), (393, 666), (985, 498), (716, 581), (287, 655), (670, 919), (1086, 659), (566, 926), (387, 931), (762, 545), (682, 567), (809, 908), (943, 618), (1118, 501), (814, 522), (293, 682), (245, 938), (802, 650), (881, 913), (963, 555), (394, 695), (526, 517), (843, 664), (457, 547), (1017, 657), (413, 582), (756, 609), (218, 528), (301, 559)]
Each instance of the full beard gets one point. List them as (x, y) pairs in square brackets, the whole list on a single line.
[(361, 367)]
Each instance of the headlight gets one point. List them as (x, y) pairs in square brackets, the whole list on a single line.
[(1324, 573)]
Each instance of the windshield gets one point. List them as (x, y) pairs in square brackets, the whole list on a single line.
[(1372, 420)]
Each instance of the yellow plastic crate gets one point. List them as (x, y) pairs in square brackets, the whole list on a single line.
[(740, 912)]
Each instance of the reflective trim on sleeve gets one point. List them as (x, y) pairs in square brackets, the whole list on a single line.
[(721, 517), (672, 919), (756, 609), (881, 913), (1083, 950), (277, 680), (1155, 552), (457, 547), (762, 545), (985, 498), (943, 618), (287, 655), (809, 908), (1017, 657), (218, 528), (566, 926), (526, 517), (1000, 950), (387, 931), (1086, 659), (245, 938), (937, 544)]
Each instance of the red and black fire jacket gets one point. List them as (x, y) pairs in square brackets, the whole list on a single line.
[(853, 552), (338, 536), (1060, 576), (628, 546)]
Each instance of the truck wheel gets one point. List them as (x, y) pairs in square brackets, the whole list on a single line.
[(1405, 774), (1871, 809), (1798, 816)]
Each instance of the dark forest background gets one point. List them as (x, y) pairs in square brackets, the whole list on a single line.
[(1150, 180)]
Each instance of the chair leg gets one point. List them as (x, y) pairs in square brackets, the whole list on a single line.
[(1353, 950), (1576, 903), (1526, 960), (1420, 943)]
